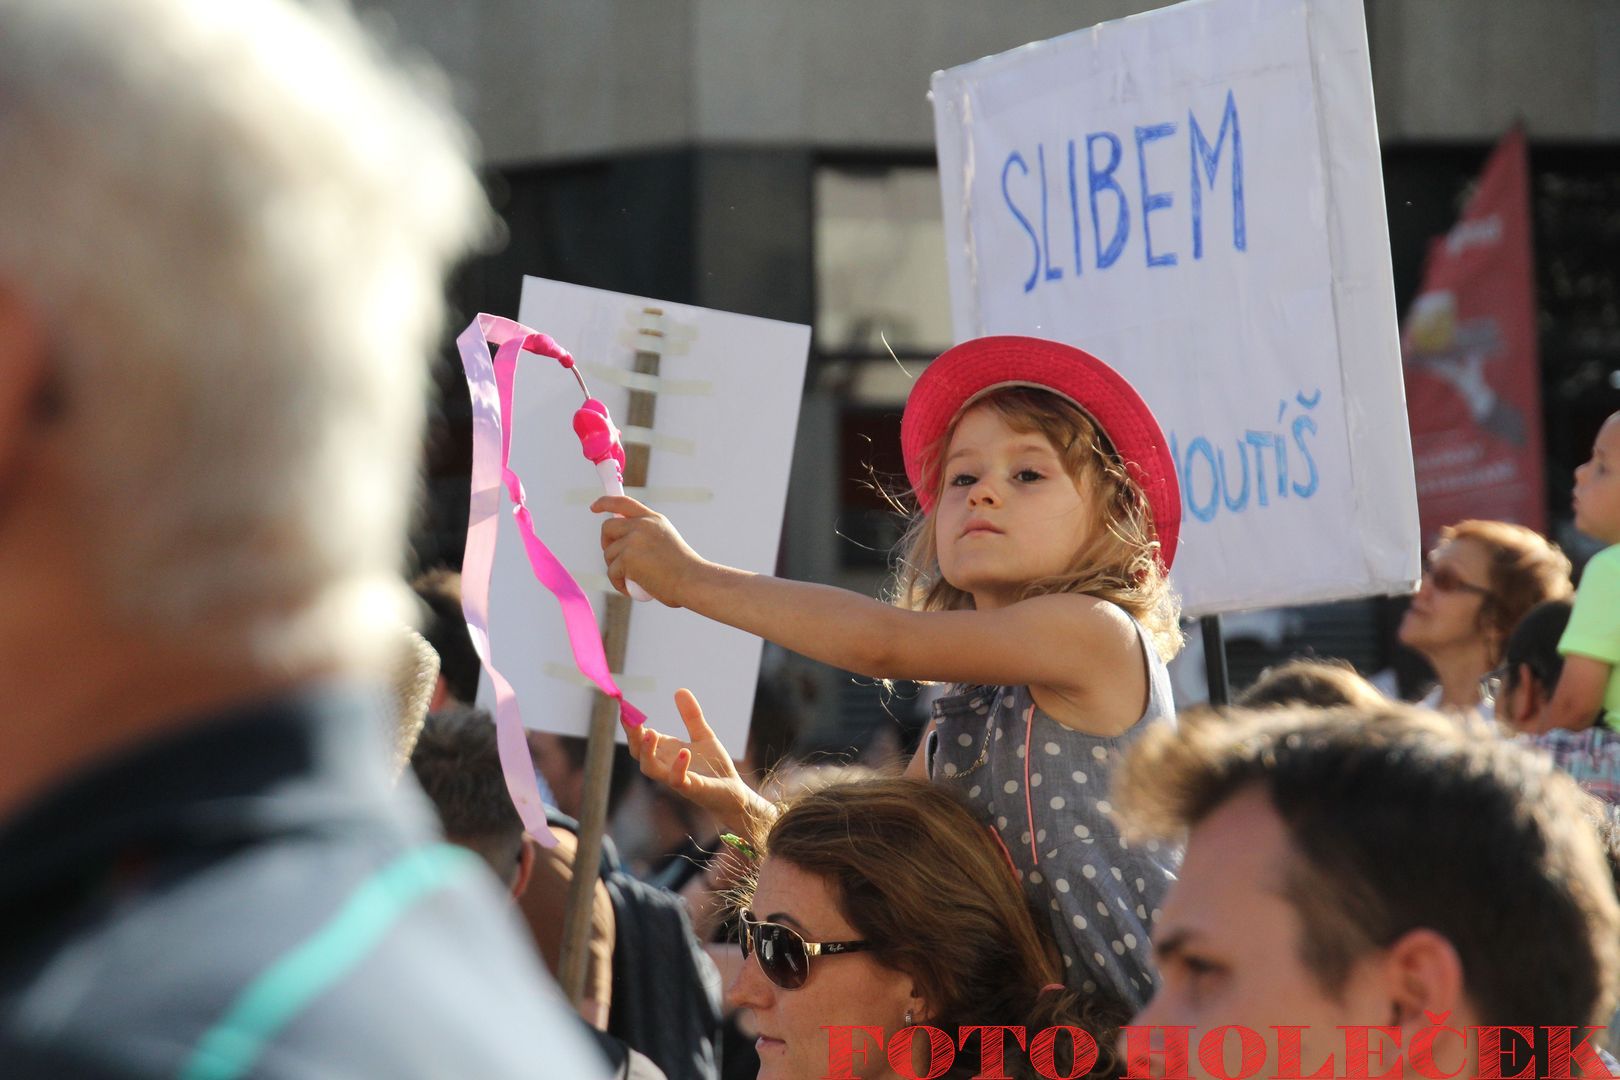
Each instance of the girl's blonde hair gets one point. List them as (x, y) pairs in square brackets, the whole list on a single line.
[(1117, 561)]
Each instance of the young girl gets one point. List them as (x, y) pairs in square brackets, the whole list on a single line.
[(1033, 579)]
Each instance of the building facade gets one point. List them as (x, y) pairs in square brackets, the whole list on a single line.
[(775, 158)]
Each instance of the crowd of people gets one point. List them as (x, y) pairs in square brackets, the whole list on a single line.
[(252, 825)]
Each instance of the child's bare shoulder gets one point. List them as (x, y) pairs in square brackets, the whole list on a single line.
[(1082, 604), (1093, 616)]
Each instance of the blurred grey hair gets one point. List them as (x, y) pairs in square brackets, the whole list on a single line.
[(234, 219)]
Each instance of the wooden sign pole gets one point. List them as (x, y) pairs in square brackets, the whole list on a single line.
[(604, 710)]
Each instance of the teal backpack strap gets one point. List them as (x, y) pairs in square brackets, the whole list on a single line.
[(283, 990)]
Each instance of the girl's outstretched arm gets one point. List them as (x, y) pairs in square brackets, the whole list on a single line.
[(1066, 642)]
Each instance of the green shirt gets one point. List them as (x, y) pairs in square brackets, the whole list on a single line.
[(1594, 624)]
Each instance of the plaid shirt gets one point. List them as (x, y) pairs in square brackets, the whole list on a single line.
[(1591, 756)]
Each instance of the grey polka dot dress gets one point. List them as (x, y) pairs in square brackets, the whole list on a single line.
[(1044, 787)]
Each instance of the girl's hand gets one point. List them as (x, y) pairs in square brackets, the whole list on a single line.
[(641, 545), (699, 769)]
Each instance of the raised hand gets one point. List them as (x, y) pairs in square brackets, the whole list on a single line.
[(698, 768)]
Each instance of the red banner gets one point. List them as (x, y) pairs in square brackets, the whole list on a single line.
[(1472, 371)]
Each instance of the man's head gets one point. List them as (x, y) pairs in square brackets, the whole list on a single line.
[(1531, 665), (445, 628), (560, 760), (458, 764), (1304, 681), (223, 234), (1358, 867)]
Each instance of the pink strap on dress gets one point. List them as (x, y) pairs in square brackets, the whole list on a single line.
[(1029, 805), (490, 386)]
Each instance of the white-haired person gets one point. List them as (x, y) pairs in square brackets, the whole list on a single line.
[(224, 230)]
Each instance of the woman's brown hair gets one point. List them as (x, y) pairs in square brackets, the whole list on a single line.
[(1525, 569), (915, 873), (1119, 559)]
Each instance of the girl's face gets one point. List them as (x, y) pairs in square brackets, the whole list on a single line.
[(849, 989), (1597, 486), (1009, 513)]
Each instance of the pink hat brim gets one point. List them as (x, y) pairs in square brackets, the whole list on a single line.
[(969, 370)]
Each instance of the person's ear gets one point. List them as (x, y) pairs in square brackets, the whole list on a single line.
[(917, 1006), (527, 854), (441, 694), (1423, 976)]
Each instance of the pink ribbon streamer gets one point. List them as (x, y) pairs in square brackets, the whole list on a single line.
[(490, 386)]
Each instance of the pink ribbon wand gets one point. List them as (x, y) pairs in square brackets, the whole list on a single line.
[(598, 437), (490, 385)]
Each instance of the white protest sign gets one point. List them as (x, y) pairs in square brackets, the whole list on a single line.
[(726, 407), (1195, 196)]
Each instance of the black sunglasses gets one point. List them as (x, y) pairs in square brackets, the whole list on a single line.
[(784, 956)]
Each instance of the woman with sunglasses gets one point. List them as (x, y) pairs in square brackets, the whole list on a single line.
[(1478, 582), (885, 903)]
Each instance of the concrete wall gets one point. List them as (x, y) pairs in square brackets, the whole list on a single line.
[(553, 80), (1467, 69), (855, 73)]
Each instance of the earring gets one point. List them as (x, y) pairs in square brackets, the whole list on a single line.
[(908, 1018)]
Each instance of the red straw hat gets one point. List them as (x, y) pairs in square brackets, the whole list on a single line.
[(967, 372)]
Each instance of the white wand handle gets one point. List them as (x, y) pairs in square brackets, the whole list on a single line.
[(607, 470)]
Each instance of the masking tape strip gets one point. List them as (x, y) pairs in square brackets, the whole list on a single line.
[(636, 684), (632, 433), (651, 384)]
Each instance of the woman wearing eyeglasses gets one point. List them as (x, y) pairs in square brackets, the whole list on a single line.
[(885, 903), (1478, 582)]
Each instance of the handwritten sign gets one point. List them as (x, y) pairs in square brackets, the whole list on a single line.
[(1195, 195), (718, 454)]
